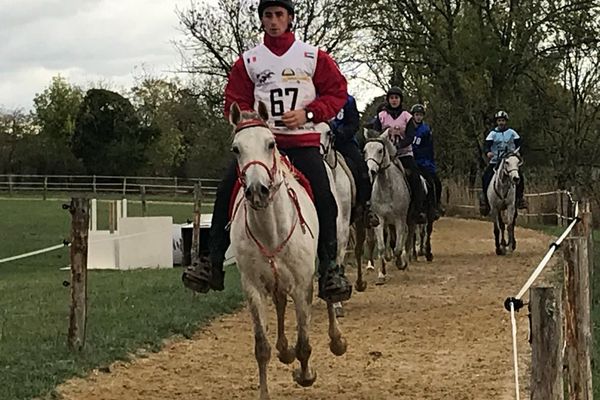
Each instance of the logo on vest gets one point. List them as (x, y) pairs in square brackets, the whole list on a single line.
[(289, 75), (263, 77), (309, 54)]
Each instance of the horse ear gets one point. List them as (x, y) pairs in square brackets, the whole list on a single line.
[(263, 113), (390, 147), (235, 114)]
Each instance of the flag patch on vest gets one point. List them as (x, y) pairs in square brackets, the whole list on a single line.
[(309, 54)]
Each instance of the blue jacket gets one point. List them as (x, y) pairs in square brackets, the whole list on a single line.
[(346, 123), (498, 142), (423, 148)]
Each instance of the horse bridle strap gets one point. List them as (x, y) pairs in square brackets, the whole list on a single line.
[(381, 169), (250, 123)]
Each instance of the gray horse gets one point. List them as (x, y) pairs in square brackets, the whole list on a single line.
[(501, 196), (389, 199)]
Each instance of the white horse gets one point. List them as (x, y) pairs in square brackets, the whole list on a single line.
[(390, 198), (343, 188), (274, 233), (501, 194)]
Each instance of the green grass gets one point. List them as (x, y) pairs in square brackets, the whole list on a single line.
[(128, 310)]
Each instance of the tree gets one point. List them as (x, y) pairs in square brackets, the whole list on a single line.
[(109, 137), (55, 112)]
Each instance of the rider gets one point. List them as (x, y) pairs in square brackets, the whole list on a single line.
[(500, 139), (345, 126), (424, 154), (301, 85), (394, 117)]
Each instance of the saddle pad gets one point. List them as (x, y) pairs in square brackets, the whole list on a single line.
[(302, 180)]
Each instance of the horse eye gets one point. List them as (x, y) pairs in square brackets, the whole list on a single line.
[(271, 145), (235, 149)]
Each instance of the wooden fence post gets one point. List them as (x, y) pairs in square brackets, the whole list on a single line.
[(111, 216), (585, 229), (175, 180), (143, 196), (94, 184), (124, 186), (10, 185), (546, 344), (577, 316), (196, 229), (79, 209), (45, 194)]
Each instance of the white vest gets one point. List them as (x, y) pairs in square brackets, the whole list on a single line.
[(283, 83)]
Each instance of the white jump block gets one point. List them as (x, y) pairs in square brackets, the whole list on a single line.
[(140, 242)]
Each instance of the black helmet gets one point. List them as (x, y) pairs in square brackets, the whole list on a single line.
[(394, 90), (417, 108), (287, 4), (501, 114)]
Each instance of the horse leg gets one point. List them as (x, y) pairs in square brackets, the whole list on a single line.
[(381, 249), (497, 235), (427, 240), (262, 348), (304, 376), (286, 354), (502, 232), (512, 242), (360, 232), (370, 241), (411, 242), (403, 241), (337, 344)]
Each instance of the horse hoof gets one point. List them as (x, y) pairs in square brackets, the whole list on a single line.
[(338, 310), (338, 347), (287, 357), (380, 280), (360, 286), (429, 257), (305, 380), (500, 251)]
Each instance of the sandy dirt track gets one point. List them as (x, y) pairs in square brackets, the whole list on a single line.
[(436, 331)]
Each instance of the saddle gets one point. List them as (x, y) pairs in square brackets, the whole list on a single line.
[(300, 178)]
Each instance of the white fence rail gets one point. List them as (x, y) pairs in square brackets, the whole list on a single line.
[(124, 185)]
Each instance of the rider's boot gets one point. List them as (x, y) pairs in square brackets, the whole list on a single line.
[(205, 276), (333, 284)]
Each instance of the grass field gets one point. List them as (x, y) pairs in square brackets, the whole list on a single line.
[(127, 310)]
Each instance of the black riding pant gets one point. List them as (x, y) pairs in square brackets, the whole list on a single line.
[(417, 199), (359, 170), (307, 160), (488, 174)]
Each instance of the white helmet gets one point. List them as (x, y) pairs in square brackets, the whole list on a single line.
[(501, 114)]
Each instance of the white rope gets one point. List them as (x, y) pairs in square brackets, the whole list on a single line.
[(513, 322), (526, 287), (33, 253), (549, 254)]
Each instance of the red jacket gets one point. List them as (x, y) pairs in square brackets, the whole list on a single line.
[(330, 85)]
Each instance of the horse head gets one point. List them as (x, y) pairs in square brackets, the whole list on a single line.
[(379, 152), (257, 156), (509, 165)]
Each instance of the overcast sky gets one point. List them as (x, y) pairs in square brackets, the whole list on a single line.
[(85, 41)]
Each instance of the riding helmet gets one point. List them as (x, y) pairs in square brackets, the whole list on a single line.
[(287, 4), (394, 90), (417, 108), (501, 114)]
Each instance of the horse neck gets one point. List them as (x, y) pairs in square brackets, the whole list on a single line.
[(272, 224), (502, 183), (387, 177)]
